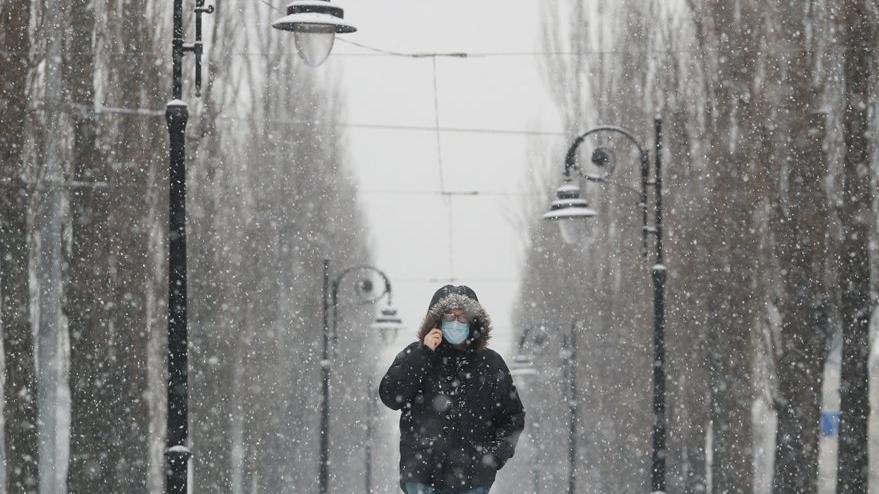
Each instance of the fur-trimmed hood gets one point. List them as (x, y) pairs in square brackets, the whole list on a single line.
[(480, 322)]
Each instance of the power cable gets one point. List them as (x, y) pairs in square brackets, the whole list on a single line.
[(379, 52), (476, 54), (150, 112), (460, 193), (453, 280), (436, 123), (391, 53), (447, 199), (465, 130), (270, 5)]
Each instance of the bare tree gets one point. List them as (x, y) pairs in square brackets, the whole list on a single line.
[(20, 406), (689, 243), (855, 28), (86, 304), (797, 167), (729, 37), (131, 45)]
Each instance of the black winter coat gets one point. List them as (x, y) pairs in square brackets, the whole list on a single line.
[(460, 415)]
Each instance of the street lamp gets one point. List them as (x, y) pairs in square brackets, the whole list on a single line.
[(569, 210), (387, 324), (574, 209), (523, 370), (568, 355), (523, 367), (316, 23)]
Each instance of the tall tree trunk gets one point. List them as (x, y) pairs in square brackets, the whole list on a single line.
[(213, 365), (856, 35), (799, 212), (801, 246), (731, 298), (20, 407), (688, 383), (140, 153), (48, 266), (86, 302)]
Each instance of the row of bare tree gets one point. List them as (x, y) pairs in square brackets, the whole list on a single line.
[(84, 176), (771, 167)]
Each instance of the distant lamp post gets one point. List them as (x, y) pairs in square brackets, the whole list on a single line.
[(387, 323), (568, 355), (570, 206), (314, 24), (523, 369), (177, 452)]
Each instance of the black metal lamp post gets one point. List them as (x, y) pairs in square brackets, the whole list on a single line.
[(571, 211), (387, 324), (523, 370), (569, 357), (523, 366), (313, 22)]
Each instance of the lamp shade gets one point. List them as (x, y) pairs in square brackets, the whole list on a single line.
[(314, 24), (523, 366), (388, 324), (571, 211), (314, 47)]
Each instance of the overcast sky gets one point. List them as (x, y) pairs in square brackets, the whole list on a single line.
[(410, 232)]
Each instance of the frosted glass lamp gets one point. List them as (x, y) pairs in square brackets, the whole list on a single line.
[(314, 24), (571, 212)]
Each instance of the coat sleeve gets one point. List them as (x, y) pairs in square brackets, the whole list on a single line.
[(406, 376), (508, 419)]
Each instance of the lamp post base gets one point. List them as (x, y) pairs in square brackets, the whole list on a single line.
[(177, 465)]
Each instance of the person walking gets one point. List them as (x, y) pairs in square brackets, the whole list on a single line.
[(460, 414)]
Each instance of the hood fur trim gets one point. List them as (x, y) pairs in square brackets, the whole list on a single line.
[(480, 322)]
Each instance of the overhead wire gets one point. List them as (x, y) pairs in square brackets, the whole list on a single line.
[(447, 199), (437, 129), (265, 2), (379, 52), (151, 112), (461, 193)]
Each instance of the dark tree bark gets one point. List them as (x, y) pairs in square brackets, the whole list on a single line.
[(688, 383), (20, 407), (856, 34), (213, 336), (731, 298), (138, 161), (801, 246), (798, 166), (86, 302)]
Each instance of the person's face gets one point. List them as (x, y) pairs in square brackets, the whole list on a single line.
[(456, 315)]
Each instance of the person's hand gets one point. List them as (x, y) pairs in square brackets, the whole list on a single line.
[(433, 338)]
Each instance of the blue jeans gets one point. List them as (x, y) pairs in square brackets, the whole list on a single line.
[(415, 488)]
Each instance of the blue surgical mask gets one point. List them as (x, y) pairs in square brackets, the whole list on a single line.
[(455, 332)]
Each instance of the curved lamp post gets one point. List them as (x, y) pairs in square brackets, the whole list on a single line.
[(572, 213), (387, 324), (312, 23)]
